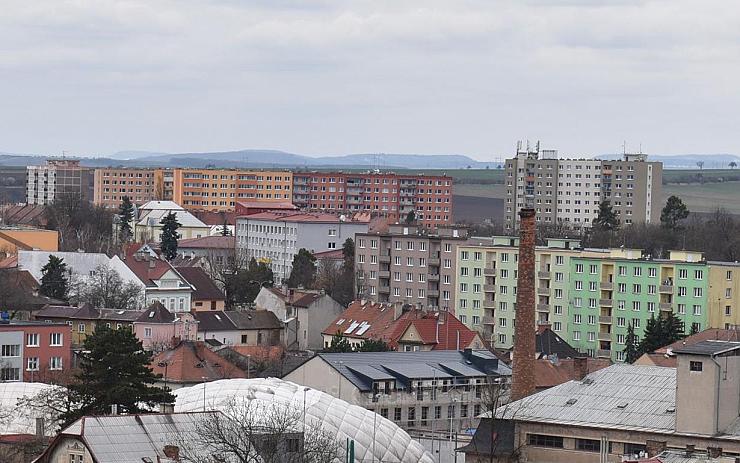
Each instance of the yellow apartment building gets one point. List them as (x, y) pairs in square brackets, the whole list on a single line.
[(112, 184), (220, 189), (724, 294)]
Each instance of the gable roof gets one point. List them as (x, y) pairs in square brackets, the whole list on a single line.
[(208, 242), (254, 320), (378, 316), (441, 329), (191, 362), (204, 288), (548, 343), (156, 313), (549, 373), (87, 312), (213, 321), (145, 264), (626, 397), (296, 297)]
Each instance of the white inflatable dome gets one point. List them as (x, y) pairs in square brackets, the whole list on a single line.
[(348, 421), (20, 420)]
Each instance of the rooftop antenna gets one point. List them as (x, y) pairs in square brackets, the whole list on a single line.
[(624, 147)]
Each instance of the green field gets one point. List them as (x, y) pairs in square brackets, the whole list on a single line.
[(481, 191), (707, 197)]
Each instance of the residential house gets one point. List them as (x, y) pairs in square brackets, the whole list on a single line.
[(276, 237), (623, 411), (85, 319), (440, 390), (206, 295), (252, 327), (19, 293), (304, 313), (13, 238), (157, 327), (34, 351), (210, 250), (191, 362), (147, 226), (402, 327), (162, 282)]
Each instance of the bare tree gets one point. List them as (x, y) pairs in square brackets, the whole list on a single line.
[(497, 439), (250, 431), (106, 288)]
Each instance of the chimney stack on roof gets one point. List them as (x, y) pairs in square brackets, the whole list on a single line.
[(523, 380)]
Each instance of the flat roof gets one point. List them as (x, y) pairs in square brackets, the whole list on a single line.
[(709, 347)]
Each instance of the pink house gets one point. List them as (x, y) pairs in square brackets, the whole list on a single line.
[(157, 327)]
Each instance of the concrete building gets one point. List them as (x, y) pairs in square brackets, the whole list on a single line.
[(34, 351), (409, 266), (85, 319), (13, 238), (148, 228), (276, 237), (209, 250), (568, 191), (220, 189), (723, 294), (57, 178), (112, 184), (304, 314), (434, 391), (381, 193), (622, 411), (206, 294)]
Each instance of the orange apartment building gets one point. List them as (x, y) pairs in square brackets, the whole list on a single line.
[(384, 193), (112, 184), (220, 189)]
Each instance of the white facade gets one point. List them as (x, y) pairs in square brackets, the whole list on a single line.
[(148, 226), (277, 241), (579, 191)]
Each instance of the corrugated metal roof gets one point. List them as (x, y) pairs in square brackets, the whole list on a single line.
[(618, 397), (708, 347)]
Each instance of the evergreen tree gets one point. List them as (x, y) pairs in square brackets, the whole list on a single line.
[(631, 351), (411, 217), (673, 329), (114, 370), (607, 218), (373, 345), (304, 269), (694, 329), (125, 216), (339, 344), (225, 227), (673, 212), (54, 281), (653, 337), (169, 237)]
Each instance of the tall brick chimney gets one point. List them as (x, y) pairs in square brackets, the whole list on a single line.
[(523, 380)]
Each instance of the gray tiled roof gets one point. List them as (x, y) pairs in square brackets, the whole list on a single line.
[(361, 368), (708, 347), (630, 397)]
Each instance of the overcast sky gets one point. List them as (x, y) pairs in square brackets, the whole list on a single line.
[(341, 76)]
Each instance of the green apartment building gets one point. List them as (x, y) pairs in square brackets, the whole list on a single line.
[(588, 296)]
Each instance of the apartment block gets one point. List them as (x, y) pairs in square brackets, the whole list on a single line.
[(568, 191), (409, 266), (276, 237), (724, 294), (113, 184), (56, 178), (220, 189), (34, 351), (382, 193)]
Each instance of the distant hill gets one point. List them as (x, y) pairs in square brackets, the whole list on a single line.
[(686, 161)]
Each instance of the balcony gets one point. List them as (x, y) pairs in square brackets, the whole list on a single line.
[(433, 277), (543, 291), (489, 304), (543, 274), (604, 353), (489, 272), (384, 289), (543, 307), (489, 288), (604, 336), (384, 274), (488, 320), (433, 293), (606, 302), (606, 285), (605, 319), (666, 289), (384, 259), (665, 306), (433, 261)]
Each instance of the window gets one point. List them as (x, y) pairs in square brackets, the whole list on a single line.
[(32, 340), (384, 412), (81, 327), (55, 339), (698, 292), (10, 374), (697, 309), (683, 274), (588, 445), (437, 412), (147, 332), (579, 268), (651, 272), (397, 414), (698, 274), (695, 366), (501, 338), (11, 350), (541, 440), (411, 416), (55, 363), (32, 364), (557, 326)]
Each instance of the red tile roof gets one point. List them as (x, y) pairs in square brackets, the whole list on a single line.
[(439, 329), (552, 373), (333, 254), (309, 217), (215, 218), (208, 242), (267, 205), (146, 267), (191, 361), (711, 334), (659, 360), (296, 297)]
